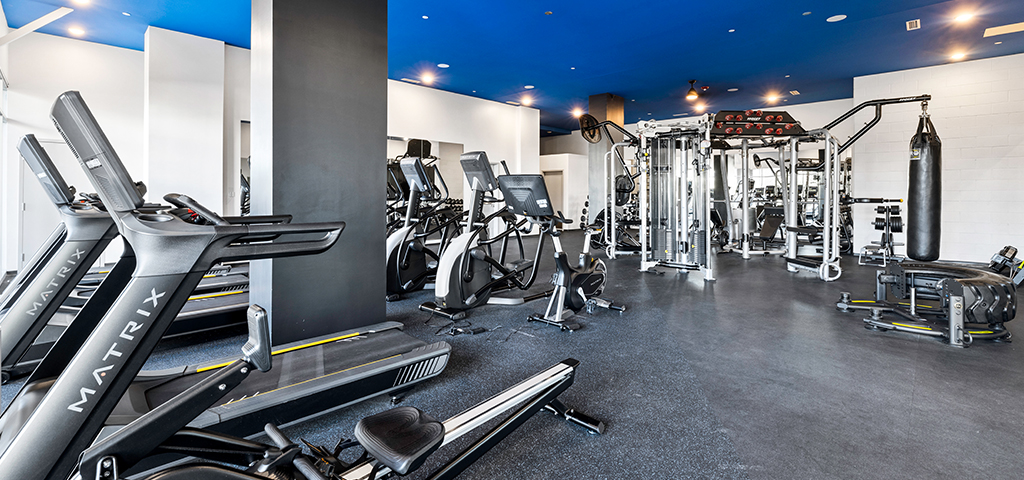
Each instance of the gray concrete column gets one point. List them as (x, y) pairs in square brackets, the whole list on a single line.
[(605, 106), (319, 133)]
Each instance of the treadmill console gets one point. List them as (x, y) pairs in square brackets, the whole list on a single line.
[(82, 133), (39, 161)]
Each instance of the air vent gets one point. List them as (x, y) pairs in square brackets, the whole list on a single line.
[(794, 92), (914, 24), (420, 370)]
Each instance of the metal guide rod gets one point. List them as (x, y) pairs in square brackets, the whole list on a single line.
[(745, 207), (793, 212), (645, 208), (610, 221), (706, 158), (681, 165), (784, 180), (826, 217)]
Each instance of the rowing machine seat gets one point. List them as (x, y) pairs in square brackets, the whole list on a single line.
[(401, 438)]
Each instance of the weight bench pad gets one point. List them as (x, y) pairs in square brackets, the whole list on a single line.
[(401, 438)]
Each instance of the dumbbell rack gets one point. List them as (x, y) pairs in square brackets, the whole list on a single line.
[(881, 252)]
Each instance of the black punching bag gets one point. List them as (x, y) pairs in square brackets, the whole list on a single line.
[(924, 199)]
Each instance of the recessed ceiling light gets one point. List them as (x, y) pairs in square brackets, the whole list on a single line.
[(731, 30), (577, 112), (787, 76), (699, 108), (425, 17), (443, 65), (474, 91), (78, 32), (772, 98), (648, 113), (410, 80), (957, 56), (964, 17), (528, 87), (572, 68), (126, 14), (807, 13), (1004, 29), (733, 90), (527, 101), (549, 12), (82, 2), (427, 78), (632, 100), (999, 43), (835, 18)]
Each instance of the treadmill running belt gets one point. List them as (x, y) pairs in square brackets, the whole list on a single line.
[(301, 365)]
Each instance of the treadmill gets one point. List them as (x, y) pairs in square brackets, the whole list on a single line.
[(309, 378), (39, 305)]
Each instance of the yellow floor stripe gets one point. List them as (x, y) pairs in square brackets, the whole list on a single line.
[(215, 295), (912, 326), (918, 305), (312, 379), (286, 350)]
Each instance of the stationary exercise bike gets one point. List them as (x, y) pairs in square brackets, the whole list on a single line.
[(576, 287)]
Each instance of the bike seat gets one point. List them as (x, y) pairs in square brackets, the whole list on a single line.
[(401, 438)]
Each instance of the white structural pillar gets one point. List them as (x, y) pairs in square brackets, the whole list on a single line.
[(183, 118)]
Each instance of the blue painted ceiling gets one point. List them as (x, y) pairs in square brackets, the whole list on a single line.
[(644, 50)]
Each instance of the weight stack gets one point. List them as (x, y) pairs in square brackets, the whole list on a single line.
[(924, 197)]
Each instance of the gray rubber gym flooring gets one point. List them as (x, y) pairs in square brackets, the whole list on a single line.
[(755, 375)]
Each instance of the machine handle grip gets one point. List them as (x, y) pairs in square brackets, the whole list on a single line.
[(251, 219), (253, 251), (302, 464), (185, 201)]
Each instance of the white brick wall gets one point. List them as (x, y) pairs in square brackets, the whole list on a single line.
[(978, 111)]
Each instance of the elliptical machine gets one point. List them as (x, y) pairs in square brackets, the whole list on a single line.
[(470, 270), (411, 263), (576, 287)]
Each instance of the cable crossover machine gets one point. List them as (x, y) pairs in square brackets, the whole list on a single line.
[(675, 190)]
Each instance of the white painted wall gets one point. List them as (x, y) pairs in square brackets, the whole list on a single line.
[(112, 80), (41, 68), (978, 111), (505, 132), (575, 182), (9, 190), (183, 137), (572, 143), (236, 109)]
